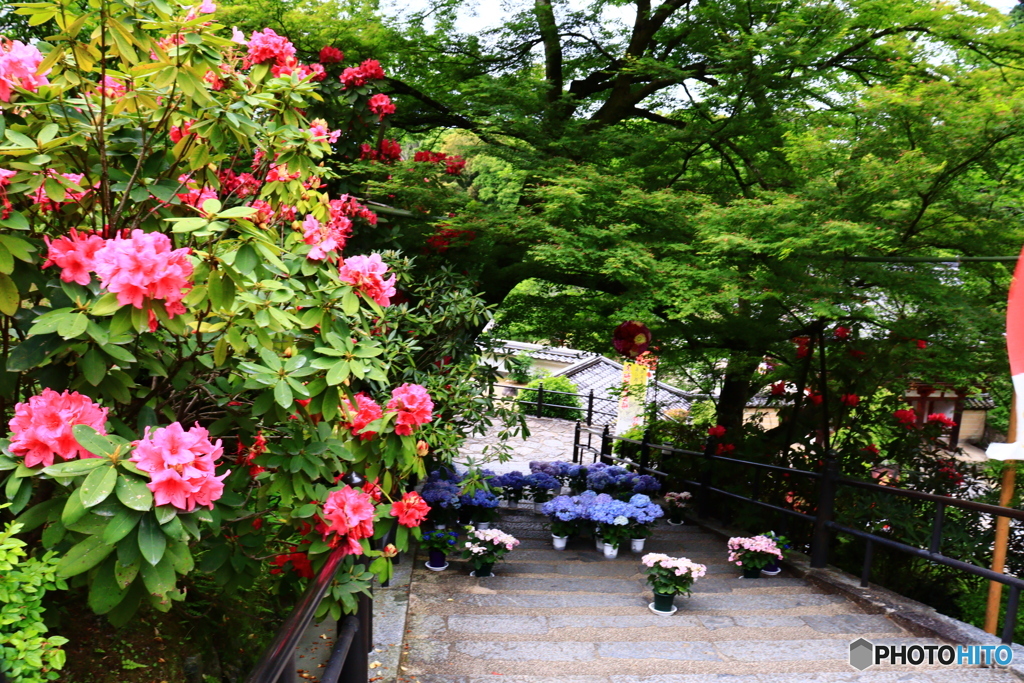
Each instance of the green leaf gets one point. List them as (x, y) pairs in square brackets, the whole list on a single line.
[(304, 511), (181, 556), (36, 515), (73, 509), (338, 373), (32, 352), (152, 541), (246, 259), (165, 513), (283, 394), (121, 525), (83, 557), (10, 300), (72, 326), (104, 591), (98, 485), (74, 468), (174, 529), (105, 305), (94, 367), (6, 260), (125, 574), (92, 441), (134, 493), (159, 577), (350, 303)]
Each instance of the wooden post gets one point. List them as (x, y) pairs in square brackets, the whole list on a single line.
[(995, 589)]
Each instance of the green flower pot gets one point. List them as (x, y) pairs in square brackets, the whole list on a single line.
[(750, 573), (663, 602), (484, 570)]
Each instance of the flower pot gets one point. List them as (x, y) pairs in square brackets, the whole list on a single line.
[(663, 603), (537, 507), (610, 551), (483, 526), (512, 504), (440, 526), (637, 544), (750, 573), (599, 544), (559, 541), (483, 571), (437, 561), (772, 569), (675, 521)]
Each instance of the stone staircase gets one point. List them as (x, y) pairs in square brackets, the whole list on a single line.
[(573, 617)]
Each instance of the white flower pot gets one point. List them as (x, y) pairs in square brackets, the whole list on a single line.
[(512, 504), (679, 523), (440, 527), (610, 552), (483, 526), (637, 544), (537, 507), (599, 544), (559, 541)]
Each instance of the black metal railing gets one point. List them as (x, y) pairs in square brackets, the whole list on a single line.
[(829, 481), (349, 660), (592, 414)]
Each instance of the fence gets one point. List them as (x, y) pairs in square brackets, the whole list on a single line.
[(824, 525), (349, 660), (598, 410)]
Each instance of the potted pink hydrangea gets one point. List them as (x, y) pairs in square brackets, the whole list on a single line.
[(484, 547), (675, 506), (753, 553), (669, 577)]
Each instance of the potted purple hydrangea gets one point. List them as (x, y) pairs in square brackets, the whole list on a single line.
[(564, 513), (443, 498), (438, 544), (511, 487), (540, 486), (641, 520), (481, 506)]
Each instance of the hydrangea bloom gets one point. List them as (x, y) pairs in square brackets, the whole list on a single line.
[(741, 547), (267, 46), (41, 428), (349, 513), (479, 498), (511, 481), (180, 465), (413, 405), (539, 482), (670, 575), (363, 413), (366, 273), (380, 104), (411, 510), (145, 267), (75, 255), (19, 64), (645, 483), (442, 494), (563, 508), (490, 541)]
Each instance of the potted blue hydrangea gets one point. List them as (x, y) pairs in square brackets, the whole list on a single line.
[(511, 485), (641, 520), (438, 544), (541, 486), (481, 506), (612, 517), (564, 513), (443, 498)]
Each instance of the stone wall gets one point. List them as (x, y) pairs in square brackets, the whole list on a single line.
[(550, 439)]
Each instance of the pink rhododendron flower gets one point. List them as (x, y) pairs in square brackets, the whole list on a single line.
[(331, 55), (267, 46), (363, 413), (18, 66), (380, 104), (348, 513), (195, 195), (366, 274), (41, 428), (181, 466), (5, 203), (355, 77), (413, 405), (237, 36), (325, 238), (46, 203), (111, 88), (322, 133), (74, 255), (347, 206), (213, 79), (279, 173), (143, 268)]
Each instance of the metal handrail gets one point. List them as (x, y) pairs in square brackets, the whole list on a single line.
[(339, 655)]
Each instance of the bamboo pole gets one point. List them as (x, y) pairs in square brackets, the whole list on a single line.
[(995, 589)]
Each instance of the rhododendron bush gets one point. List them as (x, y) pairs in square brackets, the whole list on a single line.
[(195, 356)]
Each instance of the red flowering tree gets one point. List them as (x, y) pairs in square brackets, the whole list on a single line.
[(192, 352)]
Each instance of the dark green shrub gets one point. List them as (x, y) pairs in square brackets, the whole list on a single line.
[(552, 384)]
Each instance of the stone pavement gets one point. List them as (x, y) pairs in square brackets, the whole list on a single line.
[(574, 617)]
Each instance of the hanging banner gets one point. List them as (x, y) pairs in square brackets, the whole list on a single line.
[(1015, 349), (633, 399)]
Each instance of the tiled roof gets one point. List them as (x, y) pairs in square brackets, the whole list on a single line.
[(549, 353), (975, 402), (604, 377)]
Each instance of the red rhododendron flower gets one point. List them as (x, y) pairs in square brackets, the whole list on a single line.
[(5, 203), (354, 77), (906, 417), (716, 431), (854, 353), (180, 465), (814, 397), (779, 389), (365, 412), (267, 46), (349, 513), (631, 338), (41, 428), (19, 64), (939, 418), (921, 343), (390, 149), (872, 448), (380, 104), (347, 206), (74, 255), (331, 55), (842, 332), (803, 346), (111, 88), (45, 203), (299, 561), (144, 267), (850, 399), (413, 405), (366, 273), (411, 510)]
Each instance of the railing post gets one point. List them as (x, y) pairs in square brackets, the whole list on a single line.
[(606, 445), (826, 507), (936, 545), (590, 408), (645, 449), (540, 398), (1011, 615), (576, 443), (704, 504), (357, 663)]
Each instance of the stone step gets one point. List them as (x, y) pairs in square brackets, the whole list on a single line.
[(929, 676), (454, 578)]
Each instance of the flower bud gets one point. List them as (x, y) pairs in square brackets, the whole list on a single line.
[(422, 448), (390, 550)]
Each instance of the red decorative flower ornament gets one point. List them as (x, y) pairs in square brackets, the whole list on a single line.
[(631, 338)]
